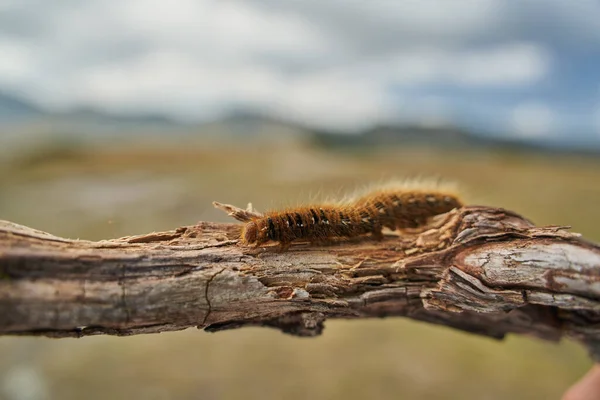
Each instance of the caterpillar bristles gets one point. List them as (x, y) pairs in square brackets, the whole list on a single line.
[(393, 206)]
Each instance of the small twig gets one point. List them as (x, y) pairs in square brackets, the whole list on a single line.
[(241, 215)]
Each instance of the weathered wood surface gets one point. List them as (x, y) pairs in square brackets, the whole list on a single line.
[(482, 270)]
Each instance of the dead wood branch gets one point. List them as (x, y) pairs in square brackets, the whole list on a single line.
[(481, 270)]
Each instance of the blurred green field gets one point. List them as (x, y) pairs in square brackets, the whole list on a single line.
[(130, 188)]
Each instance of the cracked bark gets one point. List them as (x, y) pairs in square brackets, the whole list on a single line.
[(207, 297), (482, 270)]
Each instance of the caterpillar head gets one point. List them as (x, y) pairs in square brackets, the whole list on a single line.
[(250, 233)]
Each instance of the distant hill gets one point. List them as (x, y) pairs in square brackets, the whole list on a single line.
[(447, 137), (21, 120), (391, 135), (13, 108), (96, 116)]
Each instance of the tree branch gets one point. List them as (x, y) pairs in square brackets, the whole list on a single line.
[(482, 270)]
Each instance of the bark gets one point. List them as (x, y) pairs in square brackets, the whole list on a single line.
[(483, 270)]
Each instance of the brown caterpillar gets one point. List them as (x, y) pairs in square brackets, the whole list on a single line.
[(390, 208)]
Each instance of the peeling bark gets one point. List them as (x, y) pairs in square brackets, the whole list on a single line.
[(482, 270)]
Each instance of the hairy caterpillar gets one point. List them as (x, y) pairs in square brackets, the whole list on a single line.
[(393, 208)]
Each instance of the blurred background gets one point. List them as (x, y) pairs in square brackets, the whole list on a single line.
[(124, 117)]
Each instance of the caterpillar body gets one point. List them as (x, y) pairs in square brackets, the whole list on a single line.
[(406, 209), (316, 223), (391, 208)]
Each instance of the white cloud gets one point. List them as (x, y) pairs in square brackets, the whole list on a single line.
[(182, 85), (367, 24), (333, 63), (191, 86), (344, 95), (513, 64), (385, 26), (230, 28), (16, 62), (533, 120), (334, 101)]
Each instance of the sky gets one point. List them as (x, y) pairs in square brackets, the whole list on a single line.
[(529, 68)]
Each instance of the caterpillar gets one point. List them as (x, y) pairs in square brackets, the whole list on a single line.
[(392, 208)]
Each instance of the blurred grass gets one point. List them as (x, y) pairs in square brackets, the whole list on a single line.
[(111, 191)]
